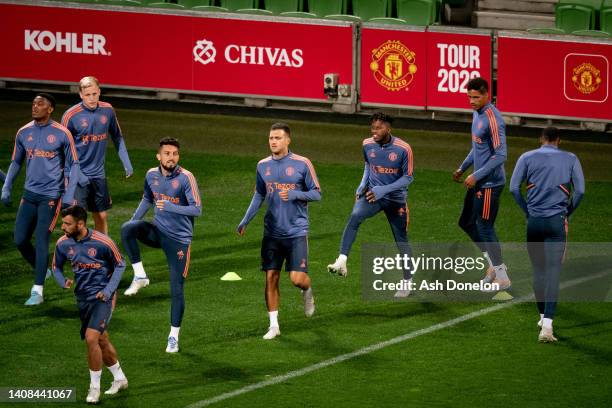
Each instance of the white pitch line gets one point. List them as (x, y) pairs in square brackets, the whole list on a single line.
[(378, 346)]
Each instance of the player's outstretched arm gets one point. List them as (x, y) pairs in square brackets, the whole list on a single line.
[(256, 203), (12, 174), (58, 268), (467, 163), (363, 184), (579, 186), (142, 209), (117, 136), (519, 175), (118, 263)]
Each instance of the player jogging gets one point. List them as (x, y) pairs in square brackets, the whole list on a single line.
[(47, 148), (484, 186), (287, 182), (386, 175), (173, 191), (97, 265), (92, 122), (555, 186)]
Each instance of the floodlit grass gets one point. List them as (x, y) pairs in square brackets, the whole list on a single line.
[(493, 360)]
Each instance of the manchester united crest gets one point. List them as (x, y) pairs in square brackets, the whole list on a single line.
[(586, 78), (393, 65), (103, 119), (393, 156), (289, 171), (92, 252), (51, 139), (175, 184)]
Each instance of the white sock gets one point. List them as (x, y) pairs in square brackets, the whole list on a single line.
[(541, 316), (95, 378), (139, 271), (500, 272), (342, 258), (117, 372), (307, 292), (487, 257), (273, 318), (547, 323), (174, 332), (38, 289)]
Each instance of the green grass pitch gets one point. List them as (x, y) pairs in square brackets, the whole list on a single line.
[(492, 360)]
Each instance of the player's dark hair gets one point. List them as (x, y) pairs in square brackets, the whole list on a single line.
[(478, 84), (550, 134), (48, 97), (169, 141), (281, 126), (383, 117), (78, 213)]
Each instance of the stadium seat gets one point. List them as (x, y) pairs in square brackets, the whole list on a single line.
[(417, 12), (326, 7), (133, 3), (172, 6), (592, 33), (298, 14), (387, 20), (368, 9), (194, 3), (238, 4), (256, 11), (594, 4), (209, 8), (573, 17), (546, 30), (343, 17), (605, 17), (281, 6)]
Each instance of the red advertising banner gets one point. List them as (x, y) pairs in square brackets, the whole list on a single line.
[(393, 66), (453, 58), (222, 55), (558, 78)]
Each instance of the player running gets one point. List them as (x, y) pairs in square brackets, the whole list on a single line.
[(386, 175), (174, 192), (47, 148), (550, 174), (484, 186), (287, 182), (91, 122), (97, 265)]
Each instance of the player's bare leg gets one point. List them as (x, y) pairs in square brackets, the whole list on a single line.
[(109, 356), (272, 302), (302, 281), (94, 360), (100, 221)]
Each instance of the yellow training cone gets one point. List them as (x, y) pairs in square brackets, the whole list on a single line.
[(231, 276), (503, 295)]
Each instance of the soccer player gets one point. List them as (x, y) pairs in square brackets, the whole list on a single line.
[(91, 122), (550, 174), (484, 186), (174, 192), (287, 182), (97, 265), (47, 148), (386, 175)]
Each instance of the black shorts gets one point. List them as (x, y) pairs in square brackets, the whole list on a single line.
[(94, 314), (95, 196), (294, 251)]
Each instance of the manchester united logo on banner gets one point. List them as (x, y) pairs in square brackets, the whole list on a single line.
[(586, 77), (393, 65)]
